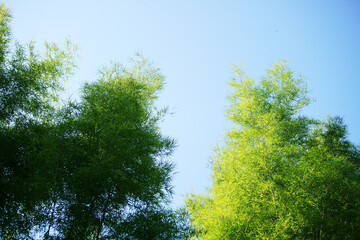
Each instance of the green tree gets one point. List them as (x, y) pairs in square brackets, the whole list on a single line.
[(279, 175), (29, 90), (94, 169), (116, 156)]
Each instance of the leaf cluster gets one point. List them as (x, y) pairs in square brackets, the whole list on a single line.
[(280, 175), (93, 169)]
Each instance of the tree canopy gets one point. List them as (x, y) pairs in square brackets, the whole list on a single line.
[(97, 168), (279, 175)]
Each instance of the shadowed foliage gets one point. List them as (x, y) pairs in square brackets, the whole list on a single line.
[(93, 169)]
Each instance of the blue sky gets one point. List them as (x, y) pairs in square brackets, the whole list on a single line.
[(195, 43)]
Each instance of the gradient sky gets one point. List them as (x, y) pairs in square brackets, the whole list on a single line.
[(195, 43)]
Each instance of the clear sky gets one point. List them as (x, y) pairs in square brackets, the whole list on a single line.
[(195, 43)]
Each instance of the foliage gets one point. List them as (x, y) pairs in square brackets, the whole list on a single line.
[(280, 175), (87, 169)]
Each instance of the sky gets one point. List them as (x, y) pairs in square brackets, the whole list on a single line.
[(196, 43)]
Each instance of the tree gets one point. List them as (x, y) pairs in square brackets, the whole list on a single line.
[(29, 87), (279, 175), (87, 169), (116, 155)]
